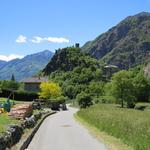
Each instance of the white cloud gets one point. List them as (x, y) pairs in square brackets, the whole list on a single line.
[(38, 39), (57, 40), (10, 57), (21, 39)]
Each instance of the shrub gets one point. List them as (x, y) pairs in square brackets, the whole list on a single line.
[(50, 90), (84, 100), (19, 95), (59, 100), (104, 99), (131, 102)]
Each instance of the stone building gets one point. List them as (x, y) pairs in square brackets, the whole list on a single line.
[(33, 84), (109, 70)]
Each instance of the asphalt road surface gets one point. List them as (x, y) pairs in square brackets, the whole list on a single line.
[(61, 132)]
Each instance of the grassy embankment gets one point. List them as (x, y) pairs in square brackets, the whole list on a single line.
[(5, 121), (132, 127)]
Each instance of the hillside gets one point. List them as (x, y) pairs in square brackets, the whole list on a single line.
[(25, 67), (125, 45), (67, 59), (75, 71)]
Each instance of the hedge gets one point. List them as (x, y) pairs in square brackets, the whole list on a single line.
[(19, 95)]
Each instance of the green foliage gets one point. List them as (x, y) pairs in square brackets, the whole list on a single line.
[(77, 72), (62, 98), (108, 89), (128, 87), (49, 90), (130, 126), (142, 87), (84, 100), (122, 88), (95, 88), (69, 91), (104, 99), (98, 74), (5, 121), (19, 95), (10, 85), (69, 58)]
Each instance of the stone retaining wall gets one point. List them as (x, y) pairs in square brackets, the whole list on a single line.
[(14, 132)]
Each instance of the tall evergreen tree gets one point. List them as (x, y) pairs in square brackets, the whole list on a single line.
[(12, 77)]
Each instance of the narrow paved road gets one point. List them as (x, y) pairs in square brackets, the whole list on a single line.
[(61, 132)]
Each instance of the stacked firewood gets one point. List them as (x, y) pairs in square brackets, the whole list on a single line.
[(21, 111)]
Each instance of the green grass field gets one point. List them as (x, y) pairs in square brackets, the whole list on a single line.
[(5, 121), (131, 126)]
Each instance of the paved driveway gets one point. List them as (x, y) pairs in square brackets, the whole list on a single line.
[(61, 132)]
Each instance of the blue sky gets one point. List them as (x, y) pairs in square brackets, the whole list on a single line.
[(30, 26)]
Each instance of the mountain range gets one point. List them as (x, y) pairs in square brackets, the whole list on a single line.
[(125, 45), (2, 63), (25, 67)]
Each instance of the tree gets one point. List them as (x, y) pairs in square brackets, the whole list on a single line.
[(69, 91), (10, 85), (50, 90), (13, 78), (96, 88), (123, 88), (98, 74), (85, 76), (142, 87), (84, 100)]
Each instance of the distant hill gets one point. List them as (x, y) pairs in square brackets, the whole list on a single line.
[(125, 45), (2, 63), (25, 67)]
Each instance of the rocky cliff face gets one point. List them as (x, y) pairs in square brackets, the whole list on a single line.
[(125, 45)]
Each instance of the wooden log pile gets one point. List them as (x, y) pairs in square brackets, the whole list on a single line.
[(21, 111)]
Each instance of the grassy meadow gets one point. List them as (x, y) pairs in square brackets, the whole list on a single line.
[(5, 121), (132, 127)]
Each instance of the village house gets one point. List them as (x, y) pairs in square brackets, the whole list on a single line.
[(33, 84)]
